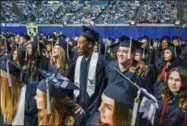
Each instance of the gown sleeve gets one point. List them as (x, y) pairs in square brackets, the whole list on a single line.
[(31, 110)]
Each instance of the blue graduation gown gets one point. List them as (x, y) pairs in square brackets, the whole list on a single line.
[(31, 110)]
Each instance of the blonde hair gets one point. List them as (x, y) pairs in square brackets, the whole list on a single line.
[(9, 97), (59, 110), (60, 60)]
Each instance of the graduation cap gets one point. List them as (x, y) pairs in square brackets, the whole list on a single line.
[(126, 79), (177, 63), (139, 50), (156, 40), (123, 38), (175, 38), (55, 86), (9, 68), (114, 46), (90, 34), (145, 37), (123, 93), (130, 43), (148, 103), (166, 38), (174, 50), (61, 35), (62, 43), (34, 45), (111, 39)]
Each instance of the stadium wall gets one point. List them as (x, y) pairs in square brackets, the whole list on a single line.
[(107, 31)]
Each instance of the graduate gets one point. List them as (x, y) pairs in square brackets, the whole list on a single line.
[(168, 57), (17, 105), (165, 41), (49, 46), (109, 43), (177, 44), (58, 60), (18, 57), (23, 40), (54, 102), (35, 60), (147, 55), (113, 52), (87, 72), (146, 72), (156, 52), (115, 108), (124, 63), (71, 44), (172, 96)]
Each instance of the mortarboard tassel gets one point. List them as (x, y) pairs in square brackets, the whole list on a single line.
[(135, 108), (175, 51), (8, 74), (129, 53), (6, 45), (67, 51), (48, 97), (48, 94), (143, 55)]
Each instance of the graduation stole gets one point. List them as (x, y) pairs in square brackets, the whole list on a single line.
[(163, 113), (19, 117), (91, 74)]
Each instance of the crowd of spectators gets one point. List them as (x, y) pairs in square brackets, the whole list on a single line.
[(120, 12), (115, 12), (68, 7), (7, 13), (27, 11), (87, 14), (159, 12)]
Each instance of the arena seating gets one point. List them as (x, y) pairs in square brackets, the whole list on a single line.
[(115, 12)]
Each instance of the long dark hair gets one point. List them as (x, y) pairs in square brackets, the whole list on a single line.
[(166, 93), (163, 63)]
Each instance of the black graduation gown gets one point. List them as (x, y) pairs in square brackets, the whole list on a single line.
[(90, 104), (156, 56), (94, 118), (54, 69), (149, 78), (113, 76), (31, 110), (173, 114), (149, 57), (44, 63)]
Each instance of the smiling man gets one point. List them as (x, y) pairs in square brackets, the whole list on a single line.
[(87, 72), (124, 63)]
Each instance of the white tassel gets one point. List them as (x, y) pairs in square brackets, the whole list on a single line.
[(135, 108), (8, 74), (129, 53), (48, 97)]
